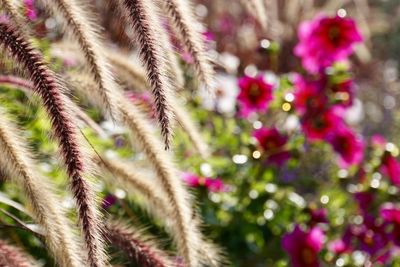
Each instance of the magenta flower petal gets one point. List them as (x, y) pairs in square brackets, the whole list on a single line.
[(215, 185), (338, 246), (309, 96), (273, 143), (325, 40), (318, 126), (255, 95), (378, 141), (348, 145), (391, 167), (303, 247), (191, 179)]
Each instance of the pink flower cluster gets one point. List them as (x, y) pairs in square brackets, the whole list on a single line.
[(212, 184), (326, 40), (374, 235), (321, 116), (273, 143), (255, 95), (320, 101), (303, 246)]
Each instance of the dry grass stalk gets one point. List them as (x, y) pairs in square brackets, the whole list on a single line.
[(17, 162), (12, 10), (156, 204), (50, 90), (78, 22), (127, 71), (177, 195), (142, 15), (27, 87), (132, 74), (186, 27), (139, 248), (257, 9), (11, 256)]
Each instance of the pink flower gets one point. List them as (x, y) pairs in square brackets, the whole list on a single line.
[(391, 167), (208, 36), (30, 11), (108, 201), (370, 236), (338, 246), (273, 143), (318, 216), (378, 141), (364, 200), (192, 180), (212, 184), (318, 126), (325, 40), (309, 96), (303, 247), (215, 185), (391, 214), (348, 145), (255, 95)]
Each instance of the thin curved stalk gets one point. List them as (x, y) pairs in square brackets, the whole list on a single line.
[(141, 14), (17, 161), (11, 9), (156, 204), (28, 87), (256, 9), (137, 182), (50, 90), (185, 25), (11, 256), (78, 22), (177, 195), (140, 249), (135, 76)]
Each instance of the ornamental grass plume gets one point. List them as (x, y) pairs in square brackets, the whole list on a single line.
[(178, 197), (156, 204), (17, 162), (186, 231), (11, 256), (134, 75), (175, 198), (11, 10), (27, 87), (257, 9), (80, 23), (138, 182), (50, 90), (142, 15), (138, 247), (166, 195), (186, 29)]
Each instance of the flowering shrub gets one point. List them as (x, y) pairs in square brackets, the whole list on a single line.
[(309, 182)]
